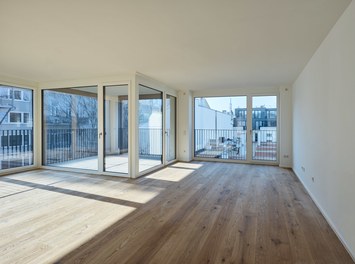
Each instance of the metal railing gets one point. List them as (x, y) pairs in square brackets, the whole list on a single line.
[(231, 144), (220, 143), (150, 142), (16, 141), (16, 148), (61, 145), (265, 144)]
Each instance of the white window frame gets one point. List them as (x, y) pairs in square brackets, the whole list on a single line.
[(249, 94)]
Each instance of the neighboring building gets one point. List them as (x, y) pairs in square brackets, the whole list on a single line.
[(264, 123), (15, 108), (262, 117)]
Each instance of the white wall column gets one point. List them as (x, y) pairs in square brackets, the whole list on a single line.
[(133, 129), (185, 131), (285, 127)]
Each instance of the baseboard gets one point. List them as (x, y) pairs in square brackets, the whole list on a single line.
[(285, 166), (6, 172), (327, 218)]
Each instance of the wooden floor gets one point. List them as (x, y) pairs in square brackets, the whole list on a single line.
[(197, 212)]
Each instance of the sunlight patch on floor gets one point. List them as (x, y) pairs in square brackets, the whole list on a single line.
[(170, 174), (186, 165), (77, 219)]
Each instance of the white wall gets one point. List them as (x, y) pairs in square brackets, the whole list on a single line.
[(324, 127), (184, 126), (285, 113)]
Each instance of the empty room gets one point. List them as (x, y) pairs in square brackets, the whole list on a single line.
[(177, 131)]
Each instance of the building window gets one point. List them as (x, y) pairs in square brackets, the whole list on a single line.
[(15, 94), (15, 117), (26, 117), (26, 96)]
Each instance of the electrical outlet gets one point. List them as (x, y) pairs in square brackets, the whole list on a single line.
[(286, 156), (312, 179), (303, 169)]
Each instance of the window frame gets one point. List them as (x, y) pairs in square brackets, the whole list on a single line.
[(15, 112)]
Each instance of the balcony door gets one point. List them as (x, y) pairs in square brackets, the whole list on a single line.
[(70, 128), (242, 128), (264, 128), (116, 116)]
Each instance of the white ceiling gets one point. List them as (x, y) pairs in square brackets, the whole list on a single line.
[(195, 44)]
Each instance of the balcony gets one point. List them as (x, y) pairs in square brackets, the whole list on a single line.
[(220, 144), (231, 144), (78, 148)]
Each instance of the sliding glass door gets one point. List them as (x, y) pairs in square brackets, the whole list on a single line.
[(70, 128), (95, 128), (236, 128), (116, 129)]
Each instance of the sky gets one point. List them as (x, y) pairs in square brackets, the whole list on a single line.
[(223, 103)]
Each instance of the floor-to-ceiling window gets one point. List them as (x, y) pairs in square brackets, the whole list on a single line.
[(70, 128), (236, 128), (116, 129), (220, 127), (150, 128), (16, 127), (113, 128)]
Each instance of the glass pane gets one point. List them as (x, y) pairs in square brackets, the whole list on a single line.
[(264, 118), (220, 127), (116, 128), (70, 128), (16, 127), (170, 127), (150, 128)]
